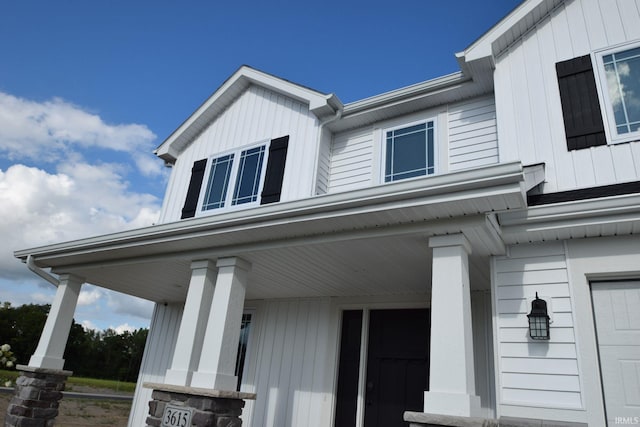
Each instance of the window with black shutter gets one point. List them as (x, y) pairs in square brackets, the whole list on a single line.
[(193, 192), (580, 105), (275, 170), (245, 176)]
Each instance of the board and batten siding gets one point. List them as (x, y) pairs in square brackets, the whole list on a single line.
[(530, 122), (324, 163), (534, 374), (473, 140), (258, 115), (158, 354), (288, 361)]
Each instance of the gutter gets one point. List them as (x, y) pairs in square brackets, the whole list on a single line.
[(40, 272)]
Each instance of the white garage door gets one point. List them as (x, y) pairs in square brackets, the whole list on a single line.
[(616, 306)]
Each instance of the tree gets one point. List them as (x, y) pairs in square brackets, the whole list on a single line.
[(89, 353)]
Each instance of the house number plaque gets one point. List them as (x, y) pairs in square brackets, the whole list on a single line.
[(176, 416)]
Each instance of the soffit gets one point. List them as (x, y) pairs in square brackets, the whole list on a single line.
[(429, 94), (363, 236), (607, 216), (512, 27)]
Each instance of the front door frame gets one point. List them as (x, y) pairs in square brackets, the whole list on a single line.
[(367, 305)]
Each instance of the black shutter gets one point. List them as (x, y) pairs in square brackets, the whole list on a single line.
[(580, 106), (191, 202), (275, 170)]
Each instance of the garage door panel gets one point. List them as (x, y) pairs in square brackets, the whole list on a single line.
[(621, 373), (616, 307)]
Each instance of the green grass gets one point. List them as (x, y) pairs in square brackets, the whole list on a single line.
[(98, 383), (78, 381)]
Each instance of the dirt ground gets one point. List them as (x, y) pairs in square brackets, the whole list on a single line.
[(84, 412)]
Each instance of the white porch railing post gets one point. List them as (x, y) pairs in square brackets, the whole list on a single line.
[(193, 325), (451, 373), (50, 351), (217, 363)]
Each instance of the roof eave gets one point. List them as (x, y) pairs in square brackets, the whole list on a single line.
[(320, 104), (503, 177)]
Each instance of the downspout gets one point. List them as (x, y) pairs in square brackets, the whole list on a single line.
[(337, 116), (40, 272)]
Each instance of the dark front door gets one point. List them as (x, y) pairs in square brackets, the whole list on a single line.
[(397, 365)]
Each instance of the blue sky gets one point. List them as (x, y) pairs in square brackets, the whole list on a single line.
[(88, 89)]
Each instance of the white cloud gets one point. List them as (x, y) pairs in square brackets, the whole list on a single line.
[(121, 329), (129, 305), (56, 130), (88, 324), (90, 296), (39, 208)]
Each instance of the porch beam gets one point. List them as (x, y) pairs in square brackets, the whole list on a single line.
[(53, 340), (216, 369), (451, 374), (193, 324)]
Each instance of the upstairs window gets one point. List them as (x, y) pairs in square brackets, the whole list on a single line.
[(409, 151), (620, 81), (247, 171), (218, 184), (248, 177), (243, 177)]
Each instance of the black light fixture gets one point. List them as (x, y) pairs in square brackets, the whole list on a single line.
[(538, 320)]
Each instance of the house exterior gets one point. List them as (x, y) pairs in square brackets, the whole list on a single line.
[(354, 265)]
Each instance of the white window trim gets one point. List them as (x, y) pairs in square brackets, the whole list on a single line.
[(228, 206), (606, 106), (383, 147)]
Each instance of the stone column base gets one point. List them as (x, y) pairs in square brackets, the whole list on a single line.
[(36, 397), (205, 407)]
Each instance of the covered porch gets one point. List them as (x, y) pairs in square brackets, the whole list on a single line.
[(418, 243)]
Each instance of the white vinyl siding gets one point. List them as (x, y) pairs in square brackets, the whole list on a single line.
[(529, 116), (534, 374), (351, 160), (473, 140), (158, 354), (286, 364), (324, 163), (483, 351), (263, 115), (470, 127)]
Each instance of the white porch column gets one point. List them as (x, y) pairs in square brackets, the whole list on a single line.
[(186, 354), (451, 373), (218, 361), (56, 329)]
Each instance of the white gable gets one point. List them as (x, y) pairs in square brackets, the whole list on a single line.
[(256, 115)]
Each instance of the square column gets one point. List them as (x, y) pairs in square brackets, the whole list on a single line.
[(218, 361), (55, 333), (186, 354), (451, 374)]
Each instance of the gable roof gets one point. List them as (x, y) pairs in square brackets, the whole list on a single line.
[(321, 104), (510, 28)]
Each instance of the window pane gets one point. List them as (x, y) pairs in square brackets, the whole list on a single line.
[(409, 152), (622, 72), (218, 183), (249, 173)]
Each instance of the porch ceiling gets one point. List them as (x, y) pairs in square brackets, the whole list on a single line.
[(366, 242)]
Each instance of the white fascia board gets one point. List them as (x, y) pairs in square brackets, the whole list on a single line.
[(483, 46), (320, 104), (572, 215), (419, 89), (507, 177)]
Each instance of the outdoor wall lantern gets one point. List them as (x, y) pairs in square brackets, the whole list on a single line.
[(538, 319)]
